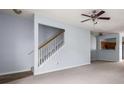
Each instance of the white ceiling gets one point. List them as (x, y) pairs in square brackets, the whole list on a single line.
[(25, 13), (73, 17)]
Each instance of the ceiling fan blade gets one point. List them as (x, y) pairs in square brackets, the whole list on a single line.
[(100, 13), (85, 15), (86, 20), (104, 18)]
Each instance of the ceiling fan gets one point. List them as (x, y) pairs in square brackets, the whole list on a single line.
[(94, 16)]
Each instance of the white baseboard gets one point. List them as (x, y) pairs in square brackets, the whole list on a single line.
[(12, 72), (59, 69)]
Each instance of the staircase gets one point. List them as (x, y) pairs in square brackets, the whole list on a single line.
[(47, 49)]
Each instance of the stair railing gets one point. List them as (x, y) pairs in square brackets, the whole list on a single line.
[(47, 49)]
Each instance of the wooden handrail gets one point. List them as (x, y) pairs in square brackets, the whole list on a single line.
[(50, 40), (46, 42)]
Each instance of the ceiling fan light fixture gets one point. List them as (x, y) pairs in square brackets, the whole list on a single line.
[(95, 22)]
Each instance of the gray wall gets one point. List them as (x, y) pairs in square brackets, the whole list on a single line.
[(110, 55), (75, 52), (16, 41), (93, 47), (93, 42), (107, 55), (46, 32), (123, 51)]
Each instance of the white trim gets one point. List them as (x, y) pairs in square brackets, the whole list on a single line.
[(12, 72), (59, 69)]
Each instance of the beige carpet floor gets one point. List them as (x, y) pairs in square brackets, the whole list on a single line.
[(96, 73)]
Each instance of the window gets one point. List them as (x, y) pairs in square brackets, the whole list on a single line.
[(108, 43)]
